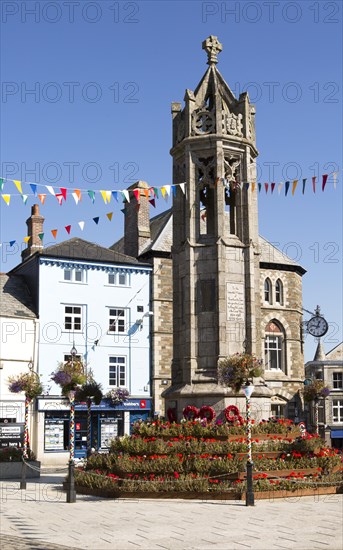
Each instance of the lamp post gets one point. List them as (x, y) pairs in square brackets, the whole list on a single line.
[(249, 496), (71, 493)]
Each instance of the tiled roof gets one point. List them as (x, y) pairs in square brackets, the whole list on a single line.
[(79, 249), (15, 298)]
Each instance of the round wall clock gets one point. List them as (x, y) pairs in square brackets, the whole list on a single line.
[(317, 326)]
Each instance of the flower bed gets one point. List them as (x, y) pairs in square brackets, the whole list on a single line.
[(191, 460)]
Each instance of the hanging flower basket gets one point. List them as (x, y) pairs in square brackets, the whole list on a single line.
[(69, 375), (207, 412), (117, 396), (89, 391), (190, 412), (315, 390), (232, 415), (239, 369), (29, 383)]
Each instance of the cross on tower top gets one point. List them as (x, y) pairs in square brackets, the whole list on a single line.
[(213, 47)]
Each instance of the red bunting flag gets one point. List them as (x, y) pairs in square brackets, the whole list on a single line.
[(59, 197), (64, 192), (272, 186), (325, 177), (68, 228), (136, 194), (266, 185), (314, 183), (152, 201)]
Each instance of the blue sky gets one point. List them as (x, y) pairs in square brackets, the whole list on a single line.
[(105, 74)]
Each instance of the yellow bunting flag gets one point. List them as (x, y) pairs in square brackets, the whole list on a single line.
[(7, 199), (163, 191), (42, 197), (295, 183), (253, 184), (26, 239), (104, 196), (109, 215), (54, 233), (17, 183)]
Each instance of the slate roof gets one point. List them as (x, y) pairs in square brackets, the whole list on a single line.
[(15, 298), (79, 249), (161, 228)]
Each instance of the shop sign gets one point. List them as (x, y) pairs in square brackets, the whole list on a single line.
[(11, 435)]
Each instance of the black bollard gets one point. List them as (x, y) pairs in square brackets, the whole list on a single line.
[(71, 493), (23, 474), (249, 495)]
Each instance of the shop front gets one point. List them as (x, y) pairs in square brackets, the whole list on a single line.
[(107, 422)]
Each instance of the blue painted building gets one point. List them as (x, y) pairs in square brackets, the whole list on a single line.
[(96, 300)]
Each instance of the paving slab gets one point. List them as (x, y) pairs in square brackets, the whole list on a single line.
[(40, 517)]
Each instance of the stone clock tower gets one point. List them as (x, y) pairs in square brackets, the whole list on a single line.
[(216, 294)]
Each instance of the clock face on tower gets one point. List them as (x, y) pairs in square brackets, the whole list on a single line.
[(317, 326)]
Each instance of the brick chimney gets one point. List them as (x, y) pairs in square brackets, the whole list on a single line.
[(137, 221), (34, 227)]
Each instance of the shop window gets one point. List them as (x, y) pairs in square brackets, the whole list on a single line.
[(337, 411), (274, 347), (73, 318), (268, 291), (117, 371), (337, 380), (279, 292), (117, 320), (56, 432)]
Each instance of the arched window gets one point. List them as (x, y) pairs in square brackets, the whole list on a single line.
[(268, 291), (274, 347), (279, 292)]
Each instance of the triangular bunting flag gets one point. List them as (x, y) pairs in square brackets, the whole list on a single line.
[(81, 224), (304, 184), (325, 177), (78, 193), (68, 228), (152, 202), (182, 187), (272, 187), (259, 185), (91, 195), (146, 193), (26, 239), (126, 195), (167, 188), (266, 185), (156, 192), (75, 197), (104, 196), (115, 195), (334, 179), (24, 197), (59, 197), (124, 211), (54, 233), (279, 187), (64, 192), (314, 184), (50, 189), (136, 193), (96, 220), (2, 183), (42, 197), (163, 191), (253, 183), (110, 215), (7, 199), (247, 185), (174, 190), (17, 183), (286, 188), (108, 196), (294, 186), (12, 243), (41, 236), (34, 189)]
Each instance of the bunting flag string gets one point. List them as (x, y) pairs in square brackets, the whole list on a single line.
[(151, 193)]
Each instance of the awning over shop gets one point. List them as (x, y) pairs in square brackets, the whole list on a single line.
[(336, 434)]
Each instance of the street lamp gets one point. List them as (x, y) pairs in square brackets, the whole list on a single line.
[(249, 496)]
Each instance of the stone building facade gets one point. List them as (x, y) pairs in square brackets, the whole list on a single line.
[(218, 287)]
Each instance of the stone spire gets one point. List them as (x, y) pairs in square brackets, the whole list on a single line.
[(34, 229), (213, 47), (320, 353)]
